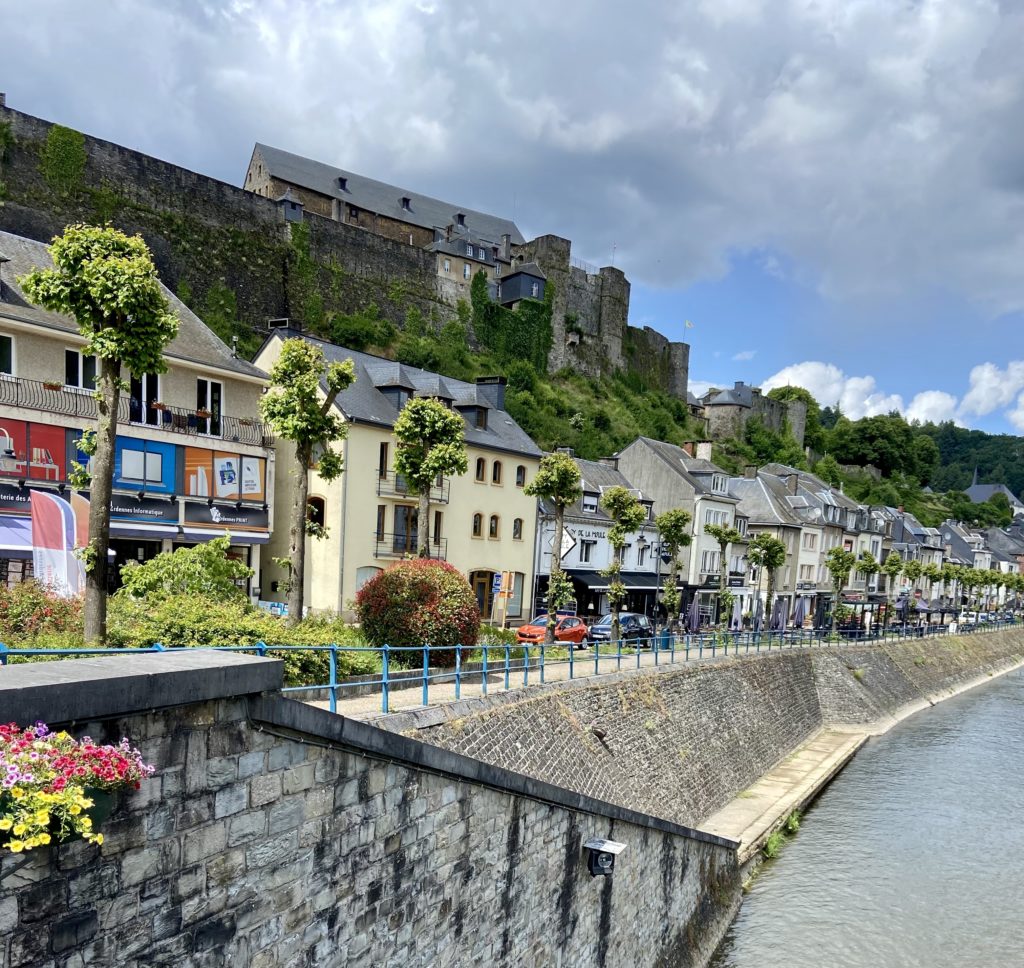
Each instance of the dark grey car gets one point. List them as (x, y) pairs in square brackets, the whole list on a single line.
[(632, 626)]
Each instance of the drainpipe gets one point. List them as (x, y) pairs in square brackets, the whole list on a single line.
[(344, 527)]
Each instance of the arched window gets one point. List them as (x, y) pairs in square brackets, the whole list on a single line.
[(520, 476), (517, 529), (492, 529), (316, 511), (481, 469), (496, 472), (478, 525), (363, 575)]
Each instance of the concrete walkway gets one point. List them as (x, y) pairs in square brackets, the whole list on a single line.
[(794, 783)]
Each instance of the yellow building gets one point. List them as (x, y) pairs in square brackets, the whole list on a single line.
[(192, 460), (481, 522)]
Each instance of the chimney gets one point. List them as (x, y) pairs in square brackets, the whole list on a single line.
[(506, 247), (492, 389), (448, 232), (612, 462), (738, 385), (688, 448), (703, 450), (3, 100), (793, 483), (750, 472), (900, 509)]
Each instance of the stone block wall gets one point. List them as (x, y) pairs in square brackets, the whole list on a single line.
[(277, 834)]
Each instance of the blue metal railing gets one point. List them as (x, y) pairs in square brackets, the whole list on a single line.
[(670, 647)]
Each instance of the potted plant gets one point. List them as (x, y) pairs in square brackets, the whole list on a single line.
[(51, 385), (55, 788), (157, 405), (203, 414)]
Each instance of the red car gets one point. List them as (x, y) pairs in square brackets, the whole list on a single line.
[(567, 629)]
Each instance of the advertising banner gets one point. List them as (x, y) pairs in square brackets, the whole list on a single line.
[(32, 451), (54, 532), (226, 517), (222, 475)]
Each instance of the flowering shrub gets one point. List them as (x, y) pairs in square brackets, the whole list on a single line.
[(48, 783), (28, 611), (415, 602)]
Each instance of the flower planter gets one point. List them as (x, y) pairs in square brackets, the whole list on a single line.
[(203, 414), (51, 386)]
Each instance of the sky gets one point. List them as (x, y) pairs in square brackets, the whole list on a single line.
[(830, 191)]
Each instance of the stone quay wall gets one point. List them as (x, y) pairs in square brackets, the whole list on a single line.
[(275, 833), (682, 741)]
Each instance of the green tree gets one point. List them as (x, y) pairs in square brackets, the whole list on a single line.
[(674, 531), (767, 553), (925, 457), (892, 568), (725, 536), (105, 280), (557, 481), (430, 444), (839, 563), (627, 514), (813, 433), (300, 408), (828, 470), (204, 571), (912, 571)]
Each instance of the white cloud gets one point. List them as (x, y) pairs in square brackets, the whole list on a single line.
[(857, 396), (932, 406), (745, 355), (992, 388)]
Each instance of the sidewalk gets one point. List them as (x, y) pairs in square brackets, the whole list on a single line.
[(753, 815)]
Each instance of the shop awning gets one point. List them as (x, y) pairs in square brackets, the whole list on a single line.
[(15, 537), (146, 532), (637, 581), (237, 537)]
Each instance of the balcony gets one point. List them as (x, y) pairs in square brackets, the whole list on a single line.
[(403, 545), (391, 484), (56, 399)]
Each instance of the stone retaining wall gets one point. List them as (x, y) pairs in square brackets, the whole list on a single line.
[(681, 741), (277, 834)]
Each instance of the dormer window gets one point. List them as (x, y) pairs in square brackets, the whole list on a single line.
[(719, 484), (406, 203), (469, 249), (481, 418), (535, 289), (590, 503), (460, 219), (342, 184)]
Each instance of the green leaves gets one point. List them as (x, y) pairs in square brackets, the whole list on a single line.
[(108, 282), (203, 571), (625, 510), (766, 551), (430, 441), (557, 480)]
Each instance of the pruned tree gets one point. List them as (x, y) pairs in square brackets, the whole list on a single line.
[(300, 407), (725, 536), (768, 553), (430, 443), (674, 530), (627, 514), (839, 563), (892, 568), (557, 481), (107, 281)]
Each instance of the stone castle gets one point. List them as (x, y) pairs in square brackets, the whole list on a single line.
[(235, 256)]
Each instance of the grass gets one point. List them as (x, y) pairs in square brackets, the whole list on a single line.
[(777, 838)]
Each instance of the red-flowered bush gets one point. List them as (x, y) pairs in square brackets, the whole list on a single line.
[(415, 602)]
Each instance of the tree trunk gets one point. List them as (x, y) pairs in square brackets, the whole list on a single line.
[(423, 523), (835, 608), (673, 577), (770, 595), (297, 536), (556, 568), (100, 489), (723, 577)]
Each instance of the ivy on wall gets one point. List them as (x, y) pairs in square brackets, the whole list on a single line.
[(523, 333), (62, 159)]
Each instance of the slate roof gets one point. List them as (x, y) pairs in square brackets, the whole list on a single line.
[(380, 197), (195, 342), (363, 402), (764, 500), (1006, 542), (979, 493), (597, 477), (740, 395), (527, 269)]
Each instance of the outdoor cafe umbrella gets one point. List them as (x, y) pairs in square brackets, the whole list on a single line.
[(759, 615), (693, 617), (800, 612), (736, 622), (779, 615)]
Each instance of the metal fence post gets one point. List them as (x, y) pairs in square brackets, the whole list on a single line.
[(426, 674), (571, 646), (618, 657), (385, 663), (157, 647), (572, 652), (483, 667), (526, 664), (508, 656), (333, 682), (261, 648), (458, 669), (3, 654)]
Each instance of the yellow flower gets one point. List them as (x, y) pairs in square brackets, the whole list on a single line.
[(74, 810), (6, 823), (42, 817), (16, 846), (98, 839), (19, 829), (17, 793), (43, 838), (85, 823)]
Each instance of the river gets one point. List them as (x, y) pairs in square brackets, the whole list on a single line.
[(912, 857)]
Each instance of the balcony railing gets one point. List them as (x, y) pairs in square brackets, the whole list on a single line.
[(72, 402), (391, 484), (402, 544)]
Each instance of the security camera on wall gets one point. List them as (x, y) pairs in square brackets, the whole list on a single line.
[(601, 856)]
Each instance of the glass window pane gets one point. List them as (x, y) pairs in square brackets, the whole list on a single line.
[(6, 354), (71, 368)]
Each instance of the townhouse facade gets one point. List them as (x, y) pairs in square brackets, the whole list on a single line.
[(586, 550), (193, 460), (480, 522)]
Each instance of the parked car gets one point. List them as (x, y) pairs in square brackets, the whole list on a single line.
[(632, 626), (568, 629)]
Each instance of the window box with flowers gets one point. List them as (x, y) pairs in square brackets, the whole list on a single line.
[(204, 414), (55, 788), (52, 385)]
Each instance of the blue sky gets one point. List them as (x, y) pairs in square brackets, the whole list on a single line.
[(833, 192)]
